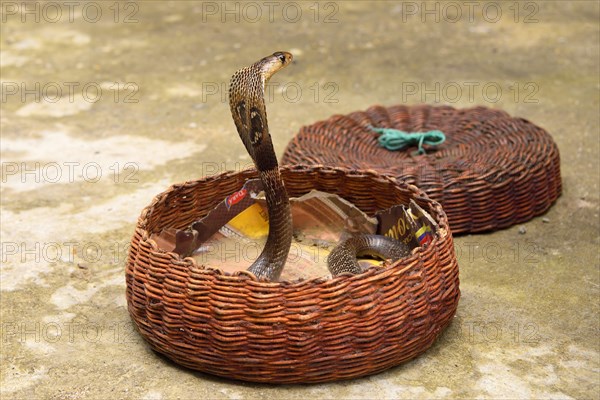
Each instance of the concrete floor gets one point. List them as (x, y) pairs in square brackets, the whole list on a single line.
[(100, 112)]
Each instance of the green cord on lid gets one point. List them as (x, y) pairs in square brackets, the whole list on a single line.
[(393, 139)]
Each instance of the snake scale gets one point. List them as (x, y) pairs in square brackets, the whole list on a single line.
[(247, 104)]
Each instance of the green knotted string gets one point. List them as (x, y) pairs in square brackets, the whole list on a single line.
[(393, 139)]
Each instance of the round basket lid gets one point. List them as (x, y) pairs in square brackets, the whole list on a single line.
[(491, 172)]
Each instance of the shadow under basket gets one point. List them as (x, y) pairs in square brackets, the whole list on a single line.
[(317, 330)]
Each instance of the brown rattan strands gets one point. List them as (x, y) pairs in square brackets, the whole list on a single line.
[(493, 170), (288, 332)]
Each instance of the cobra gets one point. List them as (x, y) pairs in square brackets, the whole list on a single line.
[(247, 104)]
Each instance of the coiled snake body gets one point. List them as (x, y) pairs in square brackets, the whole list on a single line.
[(246, 101)]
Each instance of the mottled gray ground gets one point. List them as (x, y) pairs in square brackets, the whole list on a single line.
[(100, 112)]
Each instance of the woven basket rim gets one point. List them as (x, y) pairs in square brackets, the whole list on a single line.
[(375, 271)]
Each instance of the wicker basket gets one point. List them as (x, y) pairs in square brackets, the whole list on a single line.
[(493, 170), (286, 332)]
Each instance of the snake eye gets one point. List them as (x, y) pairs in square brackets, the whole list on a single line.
[(281, 57)]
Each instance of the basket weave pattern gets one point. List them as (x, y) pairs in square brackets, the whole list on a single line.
[(493, 170), (287, 332)]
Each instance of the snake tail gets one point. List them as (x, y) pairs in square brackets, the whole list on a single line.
[(342, 259)]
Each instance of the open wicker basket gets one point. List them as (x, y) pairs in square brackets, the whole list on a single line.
[(493, 170), (289, 332)]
